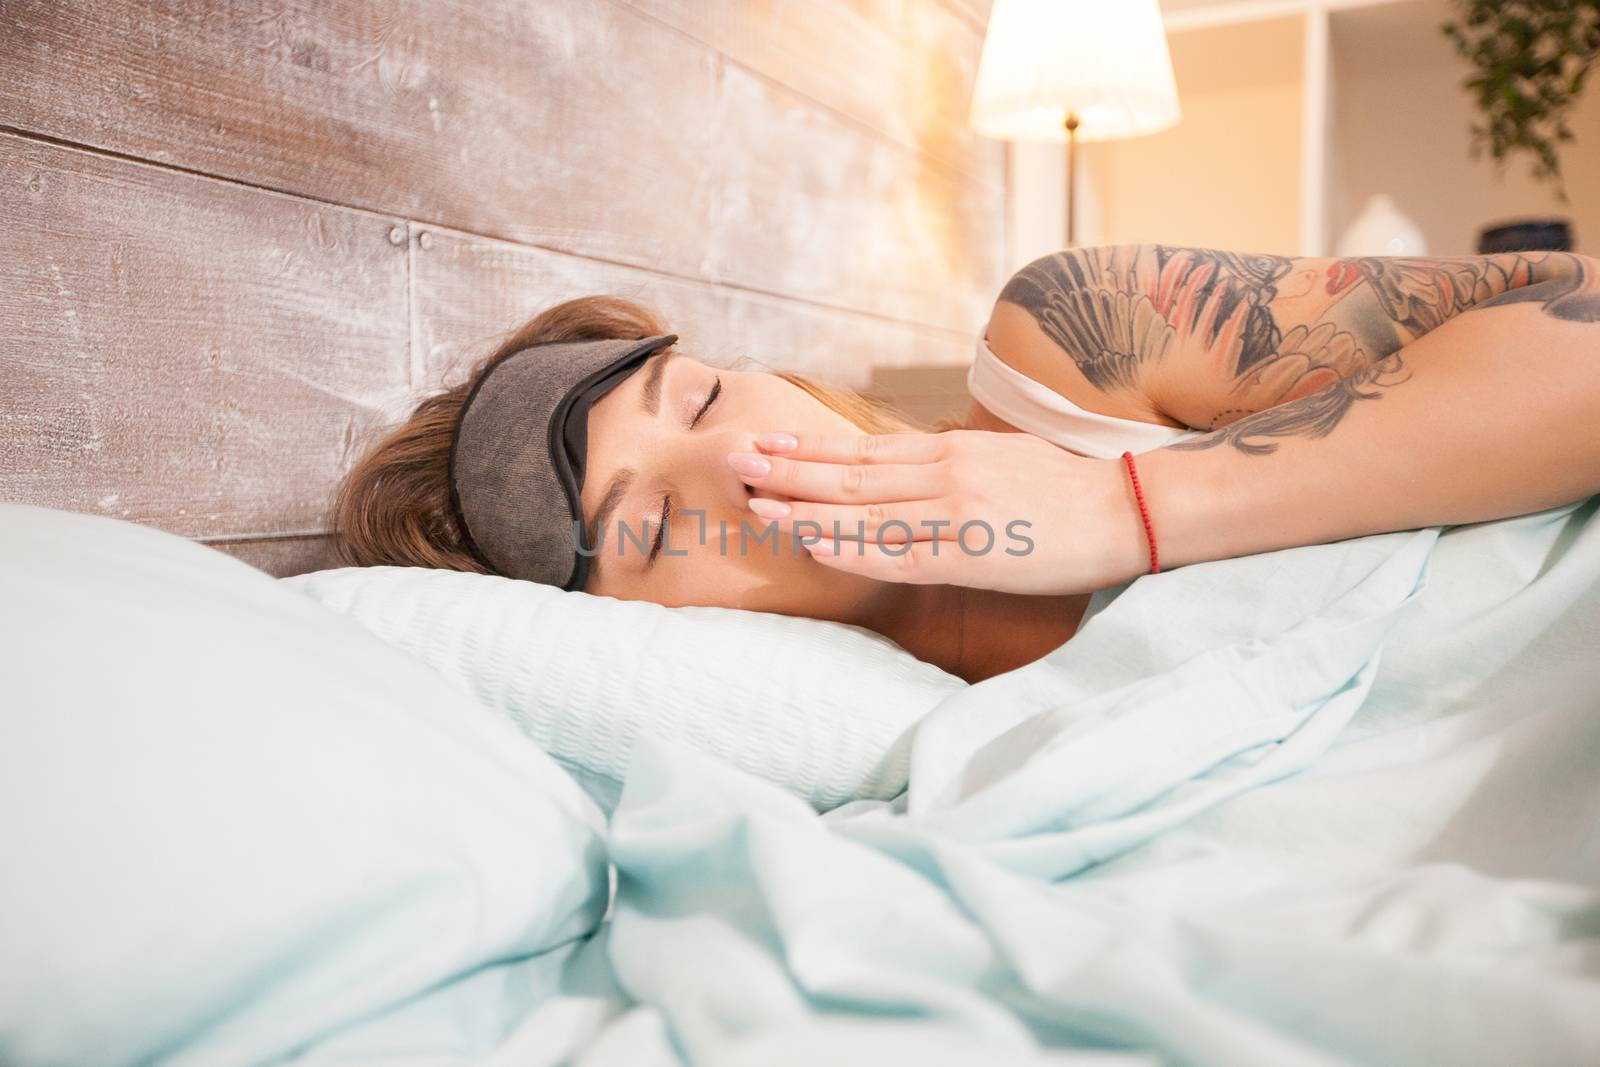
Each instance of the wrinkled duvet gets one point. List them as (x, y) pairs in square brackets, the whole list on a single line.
[(1329, 805)]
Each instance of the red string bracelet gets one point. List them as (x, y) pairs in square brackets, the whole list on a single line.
[(1149, 530)]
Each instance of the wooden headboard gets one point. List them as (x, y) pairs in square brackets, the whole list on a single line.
[(237, 239)]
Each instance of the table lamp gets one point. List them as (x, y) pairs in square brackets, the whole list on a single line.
[(1071, 70)]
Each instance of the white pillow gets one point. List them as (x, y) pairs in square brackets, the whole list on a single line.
[(823, 709), (232, 821)]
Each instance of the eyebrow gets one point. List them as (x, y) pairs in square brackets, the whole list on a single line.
[(602, 514), (650, 398)]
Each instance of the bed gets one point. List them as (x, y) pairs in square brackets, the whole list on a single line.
[(1332, 804), (1329, 805)]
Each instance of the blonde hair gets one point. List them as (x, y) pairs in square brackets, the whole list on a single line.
[(393, 506)]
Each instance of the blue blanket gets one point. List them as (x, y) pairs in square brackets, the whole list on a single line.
[(1329, 805)]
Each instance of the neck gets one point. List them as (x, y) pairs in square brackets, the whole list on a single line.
[(974, 633)]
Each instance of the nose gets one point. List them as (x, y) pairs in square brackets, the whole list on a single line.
[(699, 464)]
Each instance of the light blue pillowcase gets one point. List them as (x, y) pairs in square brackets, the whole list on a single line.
[(235, 822), (823, 709)]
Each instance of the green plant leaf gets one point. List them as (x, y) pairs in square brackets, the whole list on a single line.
[(1530, 60)]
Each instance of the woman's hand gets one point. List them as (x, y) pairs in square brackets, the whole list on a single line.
[(1002, 511)]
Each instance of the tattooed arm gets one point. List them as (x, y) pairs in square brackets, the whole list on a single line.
[(1203, 338), (1481, 400), (1492, 413)]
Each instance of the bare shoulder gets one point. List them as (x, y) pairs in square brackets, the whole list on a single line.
[(1205, 337), (1050, 328)]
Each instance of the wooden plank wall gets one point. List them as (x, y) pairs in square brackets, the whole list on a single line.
[(237, 238)]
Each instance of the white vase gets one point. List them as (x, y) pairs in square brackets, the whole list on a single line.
[(1381, 230)]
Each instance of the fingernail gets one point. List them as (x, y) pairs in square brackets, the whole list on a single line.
[(750, 464), (822, 548), (768, 509), (778, 442)]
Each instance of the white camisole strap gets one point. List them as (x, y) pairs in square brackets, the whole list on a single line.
[(1043, 412)]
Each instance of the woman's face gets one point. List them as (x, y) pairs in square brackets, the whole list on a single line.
[(659, 443)]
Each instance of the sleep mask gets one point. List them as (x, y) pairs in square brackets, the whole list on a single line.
[(517, 455)]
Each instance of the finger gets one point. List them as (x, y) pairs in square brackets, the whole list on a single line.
[(917, 563), (856, 448), (836, 483), (892, 523)]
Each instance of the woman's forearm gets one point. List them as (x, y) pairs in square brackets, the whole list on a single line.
[(1492, 414)]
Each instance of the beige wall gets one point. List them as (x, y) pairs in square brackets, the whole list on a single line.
[(1401, 127), (1228, 174), (1227, 177)]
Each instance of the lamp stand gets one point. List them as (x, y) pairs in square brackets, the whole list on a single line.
[(1072, 177)]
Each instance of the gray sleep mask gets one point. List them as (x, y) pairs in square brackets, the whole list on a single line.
[(518, 452)]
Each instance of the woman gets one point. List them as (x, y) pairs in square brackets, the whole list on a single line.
[(1274, 402)]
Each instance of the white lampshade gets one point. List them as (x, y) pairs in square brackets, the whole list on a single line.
[(1105, 61)]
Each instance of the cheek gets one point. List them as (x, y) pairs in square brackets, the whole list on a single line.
[(784, 583), (783, 406)]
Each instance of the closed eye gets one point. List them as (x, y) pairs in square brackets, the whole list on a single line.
[(666, 501), (711, 398), (661, 531)]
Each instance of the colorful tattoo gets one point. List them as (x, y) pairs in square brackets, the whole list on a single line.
[(1299, 340)]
